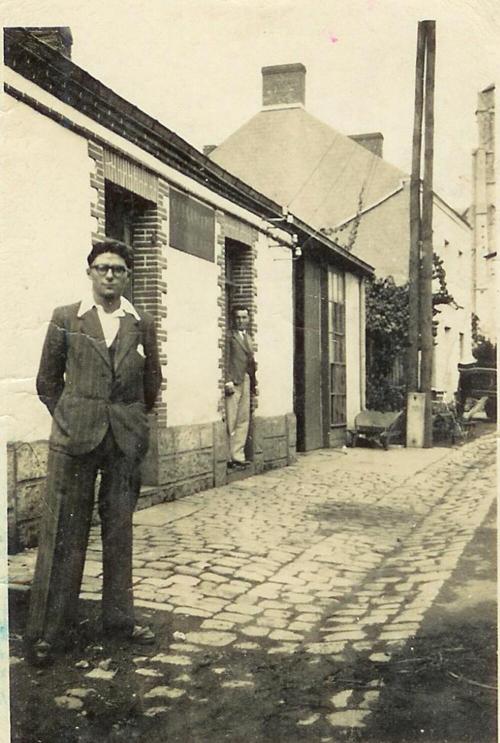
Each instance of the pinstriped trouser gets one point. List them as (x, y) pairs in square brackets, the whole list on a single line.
[(64, 533), (238, 419)]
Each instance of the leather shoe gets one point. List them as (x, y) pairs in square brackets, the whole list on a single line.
[(139, 634), (40, 653), (142, 635), (237, 464)]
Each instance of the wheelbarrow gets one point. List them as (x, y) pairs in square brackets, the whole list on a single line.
[(376, 427)]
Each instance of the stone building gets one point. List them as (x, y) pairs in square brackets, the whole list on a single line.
[(83, 163), (482, 217), (342, 186)]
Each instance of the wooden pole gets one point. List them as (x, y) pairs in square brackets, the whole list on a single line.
[(426, 337), (412, 362), (415, 406)]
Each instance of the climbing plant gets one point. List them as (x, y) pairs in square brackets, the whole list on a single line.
[(386, 341), (483, 350), (387, 319), (442, 295), (346, 235)]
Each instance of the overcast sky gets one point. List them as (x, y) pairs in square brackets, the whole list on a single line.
[(195, 64)]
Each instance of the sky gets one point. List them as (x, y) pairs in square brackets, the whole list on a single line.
[(195, 65)]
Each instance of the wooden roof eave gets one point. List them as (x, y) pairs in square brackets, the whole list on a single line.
[(72, 85)]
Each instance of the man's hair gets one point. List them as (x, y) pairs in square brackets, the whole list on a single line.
[(111, 246), (239, 308)]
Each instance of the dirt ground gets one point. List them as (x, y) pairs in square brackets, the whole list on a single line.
[(440, 688)]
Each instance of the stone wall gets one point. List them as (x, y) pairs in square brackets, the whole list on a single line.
[(26, 468), (190, 459), (274, 441)]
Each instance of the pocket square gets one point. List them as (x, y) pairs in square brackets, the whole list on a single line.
[(140, 350)]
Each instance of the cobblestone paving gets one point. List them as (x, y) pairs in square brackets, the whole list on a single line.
[(337, 554)]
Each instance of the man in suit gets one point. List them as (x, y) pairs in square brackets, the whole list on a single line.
[(240, 385), (99, 375)]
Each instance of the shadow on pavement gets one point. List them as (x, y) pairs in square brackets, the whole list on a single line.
[(443, 686)]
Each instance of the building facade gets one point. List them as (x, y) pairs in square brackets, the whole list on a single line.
[(329, 349), (83, 163), (342, 186), (482, 216)]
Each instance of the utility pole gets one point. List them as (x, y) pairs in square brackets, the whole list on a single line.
[(426, 337), (420, 350), (413, 377)]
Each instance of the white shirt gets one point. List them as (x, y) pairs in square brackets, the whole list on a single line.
[(110, 321)]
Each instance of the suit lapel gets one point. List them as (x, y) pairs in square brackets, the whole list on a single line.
[(91, 327), (244, 343), (127, 338), (240, 340)]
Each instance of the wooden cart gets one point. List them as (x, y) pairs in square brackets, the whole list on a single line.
[(376, 427)]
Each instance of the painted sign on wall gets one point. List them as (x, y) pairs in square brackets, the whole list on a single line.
[(192, 226)]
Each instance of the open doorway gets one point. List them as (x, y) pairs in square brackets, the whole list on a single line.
[(122, 209), (240, 364)]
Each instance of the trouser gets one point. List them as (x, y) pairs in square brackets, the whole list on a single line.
[(238, 419), (63, 539)]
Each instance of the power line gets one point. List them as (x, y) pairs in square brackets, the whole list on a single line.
[(373, 165), (313, 171)]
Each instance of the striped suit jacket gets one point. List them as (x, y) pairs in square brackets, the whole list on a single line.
[(86, 393), (240, 360)]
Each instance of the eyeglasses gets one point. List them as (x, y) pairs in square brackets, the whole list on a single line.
[(103, 268)]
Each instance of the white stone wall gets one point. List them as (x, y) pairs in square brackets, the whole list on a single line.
[(192, 371), (355, 340), (275, 328), (46, 235), (383, 237), (487, 288), (452, 240)]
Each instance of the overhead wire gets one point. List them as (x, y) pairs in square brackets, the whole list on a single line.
[(373, 165), (313, 171), (356, 220)]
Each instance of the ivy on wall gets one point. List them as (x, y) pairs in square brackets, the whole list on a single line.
[(442, 295), (346, 235), (483, 350), (386, 341), (387, 320)]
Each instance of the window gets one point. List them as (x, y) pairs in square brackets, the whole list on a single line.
[(336, 347)]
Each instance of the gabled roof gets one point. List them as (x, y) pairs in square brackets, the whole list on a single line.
[(62, 78), (318, 173)]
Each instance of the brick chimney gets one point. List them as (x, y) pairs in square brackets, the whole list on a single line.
[(373, 142), (58, 37), (284, 85)]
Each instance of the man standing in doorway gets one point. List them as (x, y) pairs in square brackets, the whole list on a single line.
[(240, 385), (99, 374)]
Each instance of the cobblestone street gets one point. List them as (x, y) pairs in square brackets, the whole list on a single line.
[(334, 559)]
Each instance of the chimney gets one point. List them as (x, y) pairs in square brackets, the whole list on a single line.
[(373, 142), (57, 37), (284, 85), (485, 117)]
